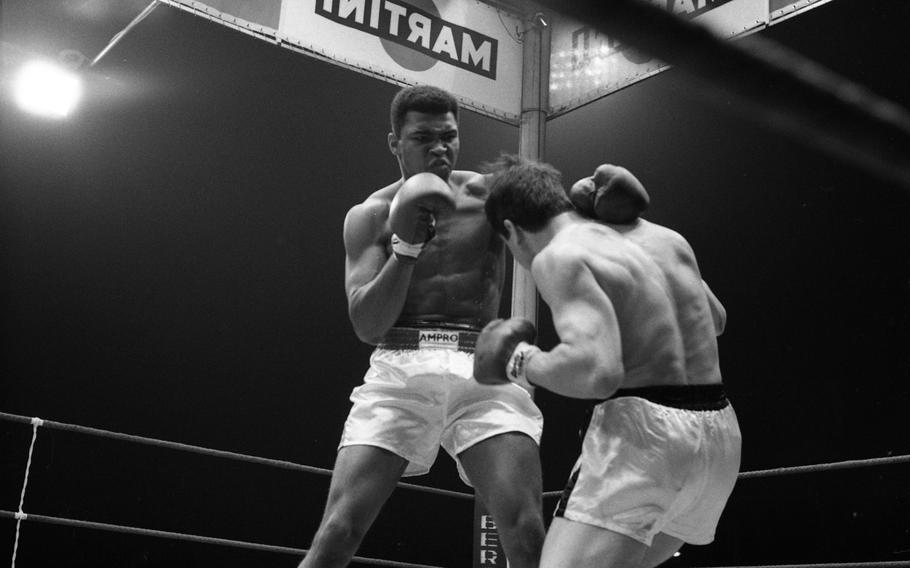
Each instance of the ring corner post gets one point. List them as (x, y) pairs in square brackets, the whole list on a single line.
[(535, 89)]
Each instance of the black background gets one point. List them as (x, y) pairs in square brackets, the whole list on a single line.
[(173, 267)]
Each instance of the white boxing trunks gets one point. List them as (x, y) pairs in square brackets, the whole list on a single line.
[(419, 394), (656, 459)]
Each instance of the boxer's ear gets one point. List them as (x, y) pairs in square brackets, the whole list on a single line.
[(393, 143)]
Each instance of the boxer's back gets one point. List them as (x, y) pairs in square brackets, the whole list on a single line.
[(652, 348), (677, 261)]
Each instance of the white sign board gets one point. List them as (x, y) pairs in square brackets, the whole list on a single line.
[(466, 47)]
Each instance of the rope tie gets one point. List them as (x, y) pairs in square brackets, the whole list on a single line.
[(20, 514)]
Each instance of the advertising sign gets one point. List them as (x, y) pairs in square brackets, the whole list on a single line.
[(466, 47)]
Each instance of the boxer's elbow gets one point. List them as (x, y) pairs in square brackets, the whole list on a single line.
[(605, 376), (368, 328), (368, 332), (367, 336), (598, 378), (604, 383), (718, 312), (720, 320)]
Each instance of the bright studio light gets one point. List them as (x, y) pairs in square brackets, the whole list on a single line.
[(46, 89)]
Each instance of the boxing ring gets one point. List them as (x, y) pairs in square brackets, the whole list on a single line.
[(36, 423), (875, 135)]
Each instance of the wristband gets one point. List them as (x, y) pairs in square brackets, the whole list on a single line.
[(404, 249), (517, 367)]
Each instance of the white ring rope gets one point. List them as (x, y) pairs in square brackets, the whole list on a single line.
[(848, 464), (20, 515), (212, 452), (199, 539)]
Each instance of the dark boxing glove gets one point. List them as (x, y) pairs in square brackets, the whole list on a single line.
[(611, 195), (620, 197), (414, 210), (581, 194), (503, 350)]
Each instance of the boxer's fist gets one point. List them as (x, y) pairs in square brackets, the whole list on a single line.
[(416, 206), (501, 351), (618, 196)]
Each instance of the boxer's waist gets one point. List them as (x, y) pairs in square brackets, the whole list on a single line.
[(687, 397), (437, 336)]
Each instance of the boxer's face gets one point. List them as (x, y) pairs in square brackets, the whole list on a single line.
[(428, 143)]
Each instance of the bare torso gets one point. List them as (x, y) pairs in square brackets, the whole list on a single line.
[(459, 274), (651, 339), (675, 257)]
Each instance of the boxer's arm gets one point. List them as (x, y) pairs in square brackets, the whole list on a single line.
[(685, 254), (376, 283), (587, 363), (718, 312)]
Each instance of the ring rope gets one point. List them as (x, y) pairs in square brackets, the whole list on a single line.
[(211, 452), (196, 538), (20, 515), (848, 464), (310, 469)]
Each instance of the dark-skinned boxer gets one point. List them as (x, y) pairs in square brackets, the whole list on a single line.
[(423, 274)]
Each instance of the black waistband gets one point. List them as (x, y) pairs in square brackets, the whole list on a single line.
[(434, 337), (687, 397)]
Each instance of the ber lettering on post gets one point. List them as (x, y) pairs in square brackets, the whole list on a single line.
[(488, 551)]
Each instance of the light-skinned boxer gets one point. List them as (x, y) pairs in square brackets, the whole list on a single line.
[(661, 452)]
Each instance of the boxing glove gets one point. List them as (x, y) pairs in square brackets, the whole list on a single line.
[(611, 195), (503, 350), (581, 194), (619, 197), (414, 209)]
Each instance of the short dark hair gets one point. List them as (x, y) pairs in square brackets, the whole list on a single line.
[(527, 192), (421, 98)]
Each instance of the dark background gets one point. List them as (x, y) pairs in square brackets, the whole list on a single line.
[(173, 267)]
